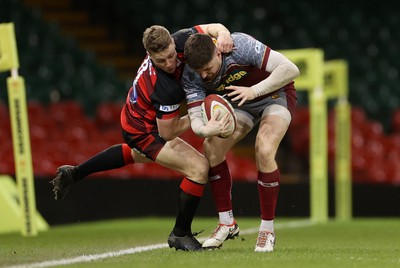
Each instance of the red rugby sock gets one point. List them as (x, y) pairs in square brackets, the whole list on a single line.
[(221, 186), (268, 188)]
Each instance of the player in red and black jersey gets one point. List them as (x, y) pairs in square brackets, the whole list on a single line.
[(152, 104), (151, 124)]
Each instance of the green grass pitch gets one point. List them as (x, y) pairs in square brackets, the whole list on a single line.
[(132, 243)]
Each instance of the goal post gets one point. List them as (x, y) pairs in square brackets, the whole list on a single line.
[(20, 130), (325, 80), (336, 87), (11, 213), (311, 64)]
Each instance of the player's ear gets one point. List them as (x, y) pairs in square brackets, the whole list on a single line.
[(148, 53)]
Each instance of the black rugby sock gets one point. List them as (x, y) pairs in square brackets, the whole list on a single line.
[(187, 206), (110, 158)]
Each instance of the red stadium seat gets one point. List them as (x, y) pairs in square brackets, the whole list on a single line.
[(66, 113), (299, 131), (396, 121), (357, 115), (36, 110), (108, 115), (393, 173)]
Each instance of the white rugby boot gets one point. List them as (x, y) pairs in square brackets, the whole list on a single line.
[(265, 242), (222, 233)]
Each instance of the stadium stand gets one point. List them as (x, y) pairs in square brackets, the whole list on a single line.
[(70, 55)]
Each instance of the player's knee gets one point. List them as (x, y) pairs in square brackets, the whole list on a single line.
[(265, 151), (199, 170)]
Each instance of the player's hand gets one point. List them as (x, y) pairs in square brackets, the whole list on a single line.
[(241, 94), (224, 43), (217, 127)]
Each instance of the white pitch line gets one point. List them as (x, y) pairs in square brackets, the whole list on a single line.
[(129, 251), (92, 257)]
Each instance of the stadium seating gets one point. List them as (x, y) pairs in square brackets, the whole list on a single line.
[(73, 99), (53, 66), (367, 39), (396, 121), (63, 134), (374, 153)]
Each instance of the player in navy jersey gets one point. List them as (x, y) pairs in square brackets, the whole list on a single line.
[(258, 82), (151, 124)]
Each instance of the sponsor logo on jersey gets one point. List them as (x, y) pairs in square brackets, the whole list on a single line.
[(235, 76), (192, 95), (169, 108)]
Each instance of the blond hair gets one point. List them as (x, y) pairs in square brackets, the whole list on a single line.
[(156, 39)]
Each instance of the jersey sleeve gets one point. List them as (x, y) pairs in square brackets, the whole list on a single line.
[(167, 98), (182, 35), (250, 51), (166, 111), (192, 85)]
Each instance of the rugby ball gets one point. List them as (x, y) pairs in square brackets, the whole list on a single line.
[(214, 102)]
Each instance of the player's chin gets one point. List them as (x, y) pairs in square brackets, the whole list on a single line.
[(170, 71), (210, 78)]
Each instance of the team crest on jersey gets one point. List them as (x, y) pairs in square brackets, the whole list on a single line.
[(257, 47), (274, 97), (169, 108)]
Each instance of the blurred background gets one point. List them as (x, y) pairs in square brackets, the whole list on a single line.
[(79, 57)]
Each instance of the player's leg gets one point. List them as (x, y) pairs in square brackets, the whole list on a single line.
[(184, 158), (114, 157), (220, 180), (180, 156), (273, 126)]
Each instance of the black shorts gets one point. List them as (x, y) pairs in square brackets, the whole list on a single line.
[(148, 144)]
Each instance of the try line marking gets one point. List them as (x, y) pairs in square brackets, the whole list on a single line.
[(128, 251)]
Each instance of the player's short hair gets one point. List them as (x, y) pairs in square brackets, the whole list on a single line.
[(156, 39), (199, 50)]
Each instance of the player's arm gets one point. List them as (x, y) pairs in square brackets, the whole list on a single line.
[(221, 33), (282, 71), (195, 95), (171, 128), (214, 127)]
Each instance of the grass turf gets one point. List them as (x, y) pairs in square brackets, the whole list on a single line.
[(359, 243)]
